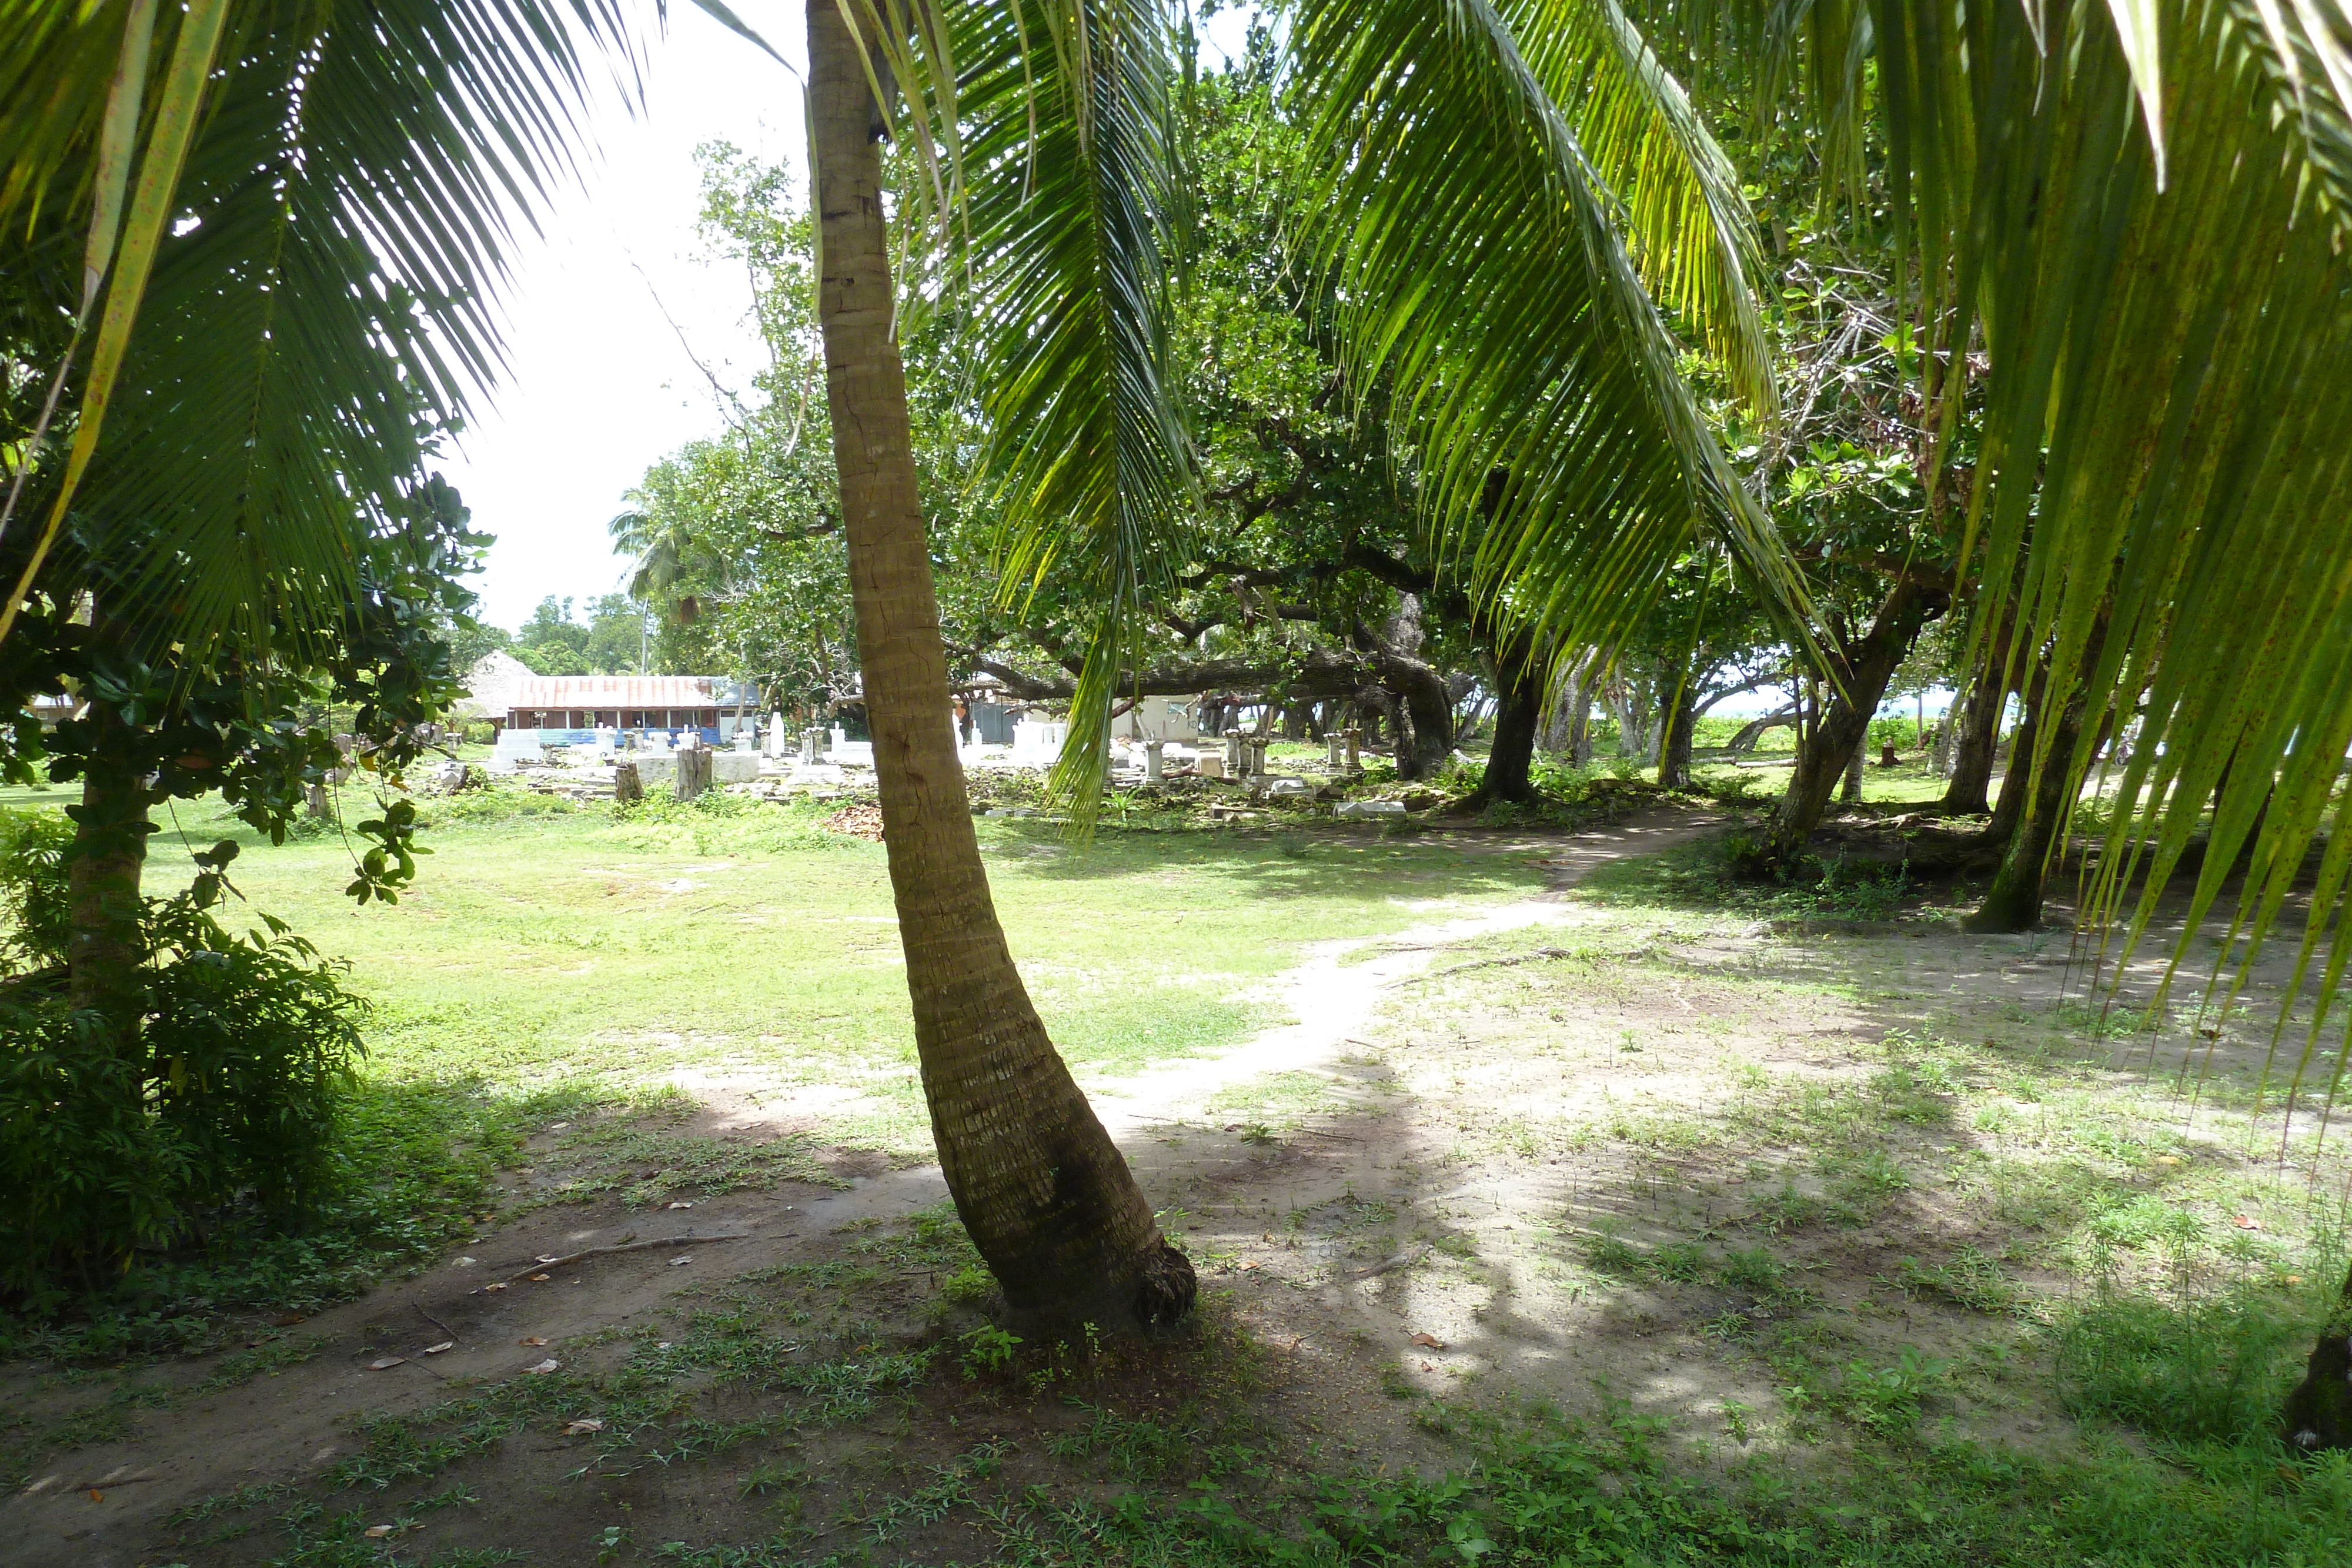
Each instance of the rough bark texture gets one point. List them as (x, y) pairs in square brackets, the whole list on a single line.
[(1047, 1196), (1681, 721), (1846, 720), (103, 946), (1519, 714), (1966, 793)]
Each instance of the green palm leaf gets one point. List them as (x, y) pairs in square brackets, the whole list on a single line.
[(1692, 236), (325, 299), (1058, 162), (2151, 227), (1480, 272)]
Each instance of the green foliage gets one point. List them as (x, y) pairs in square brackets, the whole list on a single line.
[(988, 1350), (32, 845), (409, 1169), (2205, 1369), (223, 1112)]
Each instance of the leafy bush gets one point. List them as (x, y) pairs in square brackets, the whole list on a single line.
[(33, 887), (224, 1093), (412, 1167), (481, 731)]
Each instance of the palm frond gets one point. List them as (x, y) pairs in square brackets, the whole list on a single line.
[(1692, 235), (2152, 231), (326, 299), (1058, 266), (1481, 274)]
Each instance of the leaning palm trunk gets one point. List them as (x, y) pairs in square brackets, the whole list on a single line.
[(1044, 1194)]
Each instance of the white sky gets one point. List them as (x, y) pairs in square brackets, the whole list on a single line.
[(598, 387)]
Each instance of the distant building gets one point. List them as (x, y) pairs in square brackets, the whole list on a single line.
[(1158, 718), (570, 709)]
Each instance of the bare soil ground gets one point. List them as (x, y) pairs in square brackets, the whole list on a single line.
[(1785, 1189)]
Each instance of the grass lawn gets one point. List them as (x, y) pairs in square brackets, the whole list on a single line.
[(745, 944), (1659, 1233)]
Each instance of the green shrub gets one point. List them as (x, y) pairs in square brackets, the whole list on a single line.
[(224, 1095), (33, 887), (481, 731)]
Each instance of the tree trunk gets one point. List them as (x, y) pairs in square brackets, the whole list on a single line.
[(1568, 732), (1753, 730), (1978, 726), (1519, 714), (2318, 1413), (105, 943), (1823, 755), (1681, 720), (1047, 1196), (2014, 903), (2009, 810), (1850, 782)]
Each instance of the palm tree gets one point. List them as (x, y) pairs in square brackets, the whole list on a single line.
[(1045, 171)]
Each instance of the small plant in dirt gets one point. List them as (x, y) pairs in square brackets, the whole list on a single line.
[(1966, 1279), (1886, 1399), (987, 1351)]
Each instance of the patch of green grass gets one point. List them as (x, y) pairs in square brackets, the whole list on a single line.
[(583, 943), (1534, 1487), (646, 1161), (1966, 1279), (2206, 1369), (414, 1168)]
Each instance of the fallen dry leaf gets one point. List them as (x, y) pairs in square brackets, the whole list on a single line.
[(1426, 1367), (96, 1495), (534, 1340), (380, 1364), (537, 1279), (581, 1428), (2295, 1279), (376, 1531), (437, 1349), (676, 1261), (2246, 1222), (547, 1258), (463, 1263), (1249, 1263), (681, 1205), (1429, 1342), (548, 1365), (499, 1286)]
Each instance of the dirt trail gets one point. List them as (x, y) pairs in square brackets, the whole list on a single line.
[(1333, 999), (103, 1506)]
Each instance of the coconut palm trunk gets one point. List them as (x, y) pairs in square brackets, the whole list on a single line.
[(1047, 1196)]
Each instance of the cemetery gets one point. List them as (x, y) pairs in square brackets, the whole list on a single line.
[(1101, 785)]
